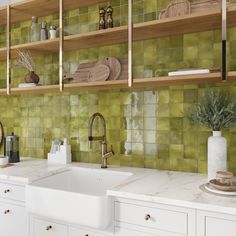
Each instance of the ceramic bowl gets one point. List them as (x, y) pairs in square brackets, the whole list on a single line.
[(4, 160)]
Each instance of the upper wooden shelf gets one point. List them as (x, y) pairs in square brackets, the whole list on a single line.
[(204, 21), (197, 22), (96, 38), (25, 10)]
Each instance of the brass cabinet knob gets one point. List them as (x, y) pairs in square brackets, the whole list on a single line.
[(86, 235), (147, 217), (6, 211), (6, 190), (48, 227)]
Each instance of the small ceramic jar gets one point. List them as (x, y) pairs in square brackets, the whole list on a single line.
[(224, 177)]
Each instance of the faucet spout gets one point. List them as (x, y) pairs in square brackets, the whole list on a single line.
[(91, 138), (91, 122)]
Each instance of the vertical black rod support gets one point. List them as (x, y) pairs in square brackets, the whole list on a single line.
[(224, 40), (224, 60)]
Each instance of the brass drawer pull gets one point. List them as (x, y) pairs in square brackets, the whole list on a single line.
[(48, 227), (147, 217), (6, 190), (6, 211)]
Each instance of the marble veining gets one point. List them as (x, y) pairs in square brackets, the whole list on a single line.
[(164, 187)]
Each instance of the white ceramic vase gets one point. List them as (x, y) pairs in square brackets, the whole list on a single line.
[(217, 154)]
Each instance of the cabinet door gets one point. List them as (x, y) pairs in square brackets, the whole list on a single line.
[(213, 224), (42, 227), (126, 232), (13, 220), (78, 232)]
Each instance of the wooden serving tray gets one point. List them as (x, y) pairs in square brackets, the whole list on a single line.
[(223, 186)]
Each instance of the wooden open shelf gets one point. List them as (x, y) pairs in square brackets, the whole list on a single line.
[(197, 22), (177, 80), (36, 48), (96, 38), (25, 10), (231, 20), (73, 42), (207, 20), (98, 85), (3, 16), (3, 92), (123, 84), (38, 89)]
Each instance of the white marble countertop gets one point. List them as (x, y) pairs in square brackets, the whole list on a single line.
[(164, 187), (29, 170)]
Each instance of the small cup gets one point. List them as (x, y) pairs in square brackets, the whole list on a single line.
[(4, 160)]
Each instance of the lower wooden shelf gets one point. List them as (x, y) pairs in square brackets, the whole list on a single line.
[(3, 92), (98, 85), (176, 80), (38, 89), (123, 84)]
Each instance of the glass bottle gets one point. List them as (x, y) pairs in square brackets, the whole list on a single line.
[(44, 32), (34, 29)]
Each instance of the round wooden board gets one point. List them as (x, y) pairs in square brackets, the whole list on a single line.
[(99, 73), (114, 65)]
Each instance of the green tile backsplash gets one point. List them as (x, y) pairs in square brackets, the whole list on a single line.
[(148, 127)]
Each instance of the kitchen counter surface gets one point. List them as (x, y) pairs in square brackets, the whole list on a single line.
[(164, 187), (29, 170)]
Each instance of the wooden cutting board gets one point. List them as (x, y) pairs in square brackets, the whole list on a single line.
[(89, 74), (83, 70), (99, 73), (114, 65)]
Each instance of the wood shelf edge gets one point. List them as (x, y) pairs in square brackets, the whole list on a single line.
[(98, 85), (38, 89), (186, 79)]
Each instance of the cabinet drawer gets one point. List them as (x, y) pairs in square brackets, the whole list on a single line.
[(12, 192), (152, 217), (78, 232), (46, 228), (126, 232), (14, 220)]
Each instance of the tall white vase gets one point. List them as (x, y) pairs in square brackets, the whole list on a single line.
[(217, 154)]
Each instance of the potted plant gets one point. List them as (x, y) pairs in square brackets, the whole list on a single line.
[(217, 111), (26, 61)]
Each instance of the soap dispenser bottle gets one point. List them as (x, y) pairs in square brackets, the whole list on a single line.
[(66, 150)]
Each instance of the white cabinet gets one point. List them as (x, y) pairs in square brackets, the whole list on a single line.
[(13, 220), (215, 224), (40, 227), (153, 219), (12, 192), (13, 216), (127, 232), (79, 232)]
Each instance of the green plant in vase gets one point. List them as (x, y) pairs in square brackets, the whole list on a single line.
[(217, 111)]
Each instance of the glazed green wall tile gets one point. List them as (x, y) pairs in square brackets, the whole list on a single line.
[(147, 128)]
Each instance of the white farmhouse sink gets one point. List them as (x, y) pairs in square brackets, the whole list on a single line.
[(77, 195)]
